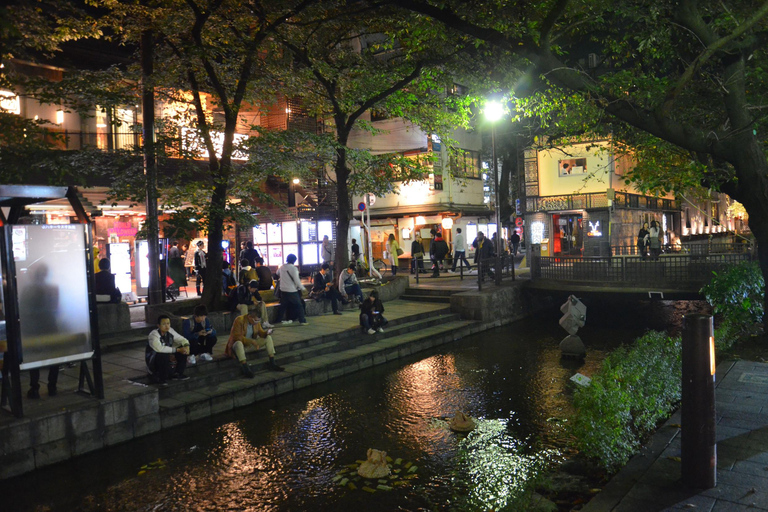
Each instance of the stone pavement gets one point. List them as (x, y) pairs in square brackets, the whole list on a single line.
[(651, 481)]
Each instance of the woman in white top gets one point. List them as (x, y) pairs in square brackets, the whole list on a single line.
[(655, 236), (393, 247)]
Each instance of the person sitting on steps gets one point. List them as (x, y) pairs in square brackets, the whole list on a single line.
[(161, 343), (201, 335), (371, 314), (248, 331)]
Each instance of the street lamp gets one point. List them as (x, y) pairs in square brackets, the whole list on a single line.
[(493, 112)]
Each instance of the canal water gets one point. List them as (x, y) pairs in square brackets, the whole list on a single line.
[(299, 452)]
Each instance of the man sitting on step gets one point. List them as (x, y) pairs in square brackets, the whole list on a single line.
[(247, 330), (163, 342)]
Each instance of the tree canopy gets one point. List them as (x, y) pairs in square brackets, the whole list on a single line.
[(690, 75)]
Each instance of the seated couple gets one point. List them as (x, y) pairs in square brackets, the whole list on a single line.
[(371, 314), (164, 342)]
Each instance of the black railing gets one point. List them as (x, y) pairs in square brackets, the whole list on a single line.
[(669, 269), (494, 270), (692, 248)]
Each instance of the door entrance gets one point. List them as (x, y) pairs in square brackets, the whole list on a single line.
[(568, 236)]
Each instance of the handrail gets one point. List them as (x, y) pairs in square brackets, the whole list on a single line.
[(667, 269)]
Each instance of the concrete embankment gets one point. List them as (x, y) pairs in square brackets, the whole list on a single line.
[(57, 428)]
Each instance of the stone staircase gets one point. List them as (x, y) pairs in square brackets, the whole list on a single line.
[(218, 385), (441, 295)]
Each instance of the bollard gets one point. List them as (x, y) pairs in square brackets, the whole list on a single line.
[(699, 449)]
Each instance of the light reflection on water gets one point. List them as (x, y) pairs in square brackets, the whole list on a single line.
[(283, 454)]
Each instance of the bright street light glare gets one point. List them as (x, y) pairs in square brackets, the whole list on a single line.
[(296, 181), (493, 111)]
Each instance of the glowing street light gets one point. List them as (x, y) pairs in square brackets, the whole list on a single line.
[(493, 112)]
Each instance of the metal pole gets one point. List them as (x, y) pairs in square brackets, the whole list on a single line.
[(497, 205), (155, 293), (698, 445)]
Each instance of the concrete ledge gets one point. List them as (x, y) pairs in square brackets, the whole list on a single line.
[(113, 318)]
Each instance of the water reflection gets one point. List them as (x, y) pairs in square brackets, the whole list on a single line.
[(283, 454)]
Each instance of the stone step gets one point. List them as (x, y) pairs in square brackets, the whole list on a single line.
[(211, 399), (428, 298), (224, 369), (421, 291)]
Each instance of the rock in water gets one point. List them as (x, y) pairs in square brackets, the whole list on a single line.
[(376, 465), (573, 347)]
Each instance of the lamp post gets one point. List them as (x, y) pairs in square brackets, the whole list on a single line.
[(493, 112)]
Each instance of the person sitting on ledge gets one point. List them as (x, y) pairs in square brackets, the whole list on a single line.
[(348, 284), (371, 314), (104, 283), (323, 289), (163, 342), (246, 331)]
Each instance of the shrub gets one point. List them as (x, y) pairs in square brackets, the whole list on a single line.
[(737, 294), (634, 389)]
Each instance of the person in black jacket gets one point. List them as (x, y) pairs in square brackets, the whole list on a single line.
[(371, 314), (438, 249), (323, 289), (104, 282)]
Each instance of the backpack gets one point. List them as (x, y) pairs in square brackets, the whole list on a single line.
[(237, 295)]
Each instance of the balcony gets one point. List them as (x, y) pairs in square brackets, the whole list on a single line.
[(598, 200)]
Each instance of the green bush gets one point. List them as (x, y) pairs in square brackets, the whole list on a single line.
[(634, 389), (737, 294)]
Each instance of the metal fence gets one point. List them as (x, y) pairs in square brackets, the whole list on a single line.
[(494, 270), (670, 269), (695, 249)]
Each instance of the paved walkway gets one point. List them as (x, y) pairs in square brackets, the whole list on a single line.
[(652, 480)]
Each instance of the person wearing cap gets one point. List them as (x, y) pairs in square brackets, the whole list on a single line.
[(247, 330), (290, 291), (323, 289), (249, 295), (200, 264), (348, 284), (371, 314)]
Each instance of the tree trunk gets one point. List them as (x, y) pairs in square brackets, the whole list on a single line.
[(343, 208), (212, 290)]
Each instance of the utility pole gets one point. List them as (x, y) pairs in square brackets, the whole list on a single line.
[(150, 165)]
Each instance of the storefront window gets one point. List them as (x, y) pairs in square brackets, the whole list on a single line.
[(309, 254), (309, 231), (260, 235), (471, 234), (274, 234), (290, 235), (275, 253), (325, 228)]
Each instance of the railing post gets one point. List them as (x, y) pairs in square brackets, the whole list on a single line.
[(479, 274)]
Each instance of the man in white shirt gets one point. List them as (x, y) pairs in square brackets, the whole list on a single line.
[(459, 250), (290, 291), (161, 344)]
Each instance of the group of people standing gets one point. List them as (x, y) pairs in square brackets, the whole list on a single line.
[(650, 239)]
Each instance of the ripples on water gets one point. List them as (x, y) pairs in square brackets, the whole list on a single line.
[(283, 454)]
